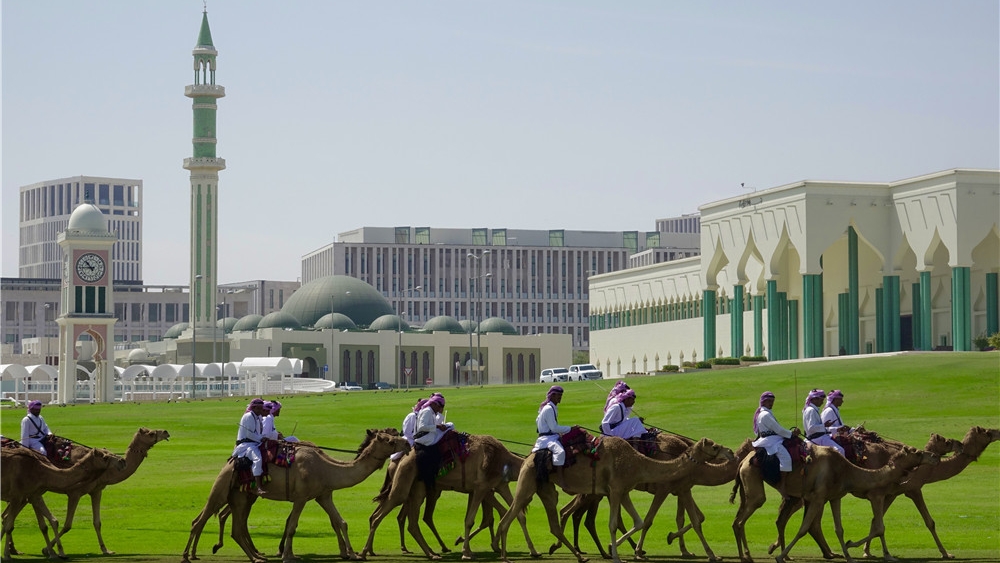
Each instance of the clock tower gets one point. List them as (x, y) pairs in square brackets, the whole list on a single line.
[(87, 303)]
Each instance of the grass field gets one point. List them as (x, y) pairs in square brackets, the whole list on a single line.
[(147, 518)]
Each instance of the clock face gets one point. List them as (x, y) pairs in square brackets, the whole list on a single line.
[(90, 267)]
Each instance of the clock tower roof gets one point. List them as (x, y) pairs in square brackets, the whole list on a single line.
[(87, 218)]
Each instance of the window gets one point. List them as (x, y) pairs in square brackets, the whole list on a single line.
[(171, 314), (479, 237), (402, 235), (499, 237), (630, 240), (422, 235), (557, 237), (652, 239)]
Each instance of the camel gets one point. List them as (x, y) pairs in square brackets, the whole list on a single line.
[(313, 476), (26, 475), (972, 446), (616, 470), (670, 446), (479, 476), (827, 478)]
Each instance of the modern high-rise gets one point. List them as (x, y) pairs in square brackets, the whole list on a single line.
[(44, 212), (535, 279)]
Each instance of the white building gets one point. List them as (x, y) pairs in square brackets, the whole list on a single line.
[(812, 269), (535, 279), (44, 212)]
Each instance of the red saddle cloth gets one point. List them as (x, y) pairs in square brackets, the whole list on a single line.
[(59, 450), (278, 452), (579, 442), (855, 444), (645, 443), (454, 448), (6, 442), (799, 449)]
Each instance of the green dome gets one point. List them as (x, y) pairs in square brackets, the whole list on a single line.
[(336, 321), (349, 296), (389, 322), (444, 323), (227, 324), (176, 330), (496, 324), (248, 322), (468, 326), (279, 319)]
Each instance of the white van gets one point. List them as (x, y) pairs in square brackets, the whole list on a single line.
[(553, 375)]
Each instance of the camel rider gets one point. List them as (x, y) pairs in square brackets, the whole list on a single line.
[(410, 426), (831, 414), (33, 428), (248, 440), (549, 429), (429, 430), (273, 410), (618, 419), (770, 434), (813, 424), (614, 396)]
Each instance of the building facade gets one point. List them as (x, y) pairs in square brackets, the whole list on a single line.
[(44, 211), (535, 279), (815, 269)]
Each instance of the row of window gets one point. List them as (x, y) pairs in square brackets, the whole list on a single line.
[(61, 199)]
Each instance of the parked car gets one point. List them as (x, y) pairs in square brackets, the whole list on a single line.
[(553, 375), (380, 386), (349, 386), (583, 372)]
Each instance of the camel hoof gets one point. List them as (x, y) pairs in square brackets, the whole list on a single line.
[(434, 557), (554, 547), (445, 549), (215, 549), (947, 556), (467, 557), (641, 557), (671, 537), (890, 559), (459, 540)]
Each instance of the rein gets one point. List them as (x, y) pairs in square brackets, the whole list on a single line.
[(354, 451)]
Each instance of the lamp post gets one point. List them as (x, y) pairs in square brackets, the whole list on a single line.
[(194, 334), (475, 281), (45, 331), (400, 361)]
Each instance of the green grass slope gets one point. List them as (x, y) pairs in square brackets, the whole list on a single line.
[(147, 518)]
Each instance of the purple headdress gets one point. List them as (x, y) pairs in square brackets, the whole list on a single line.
[(763, 397), (619, 388), (421, 403), (814, 394), (34, 405), (548, 395), (258, 402), (835, 394), (436, 398), (275, 407)]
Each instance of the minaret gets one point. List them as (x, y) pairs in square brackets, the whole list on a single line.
[(204, 167)]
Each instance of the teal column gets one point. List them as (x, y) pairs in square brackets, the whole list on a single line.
[(961, 310), (879, 319), (917, 317), (758, 325), (854, 335), (773, 318), (708, 305), (812, 315), (992, 307), (926, 313), (890, 313), (783, 324), (843, 332), (736, 322), (793, 330)]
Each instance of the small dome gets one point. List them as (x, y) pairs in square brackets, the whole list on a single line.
[(138, 356), (352, 297), (88, 218), (468, 326), (389, 322), (496, 324), (336, 321), (227, 324), (176, 330), (248, 322), (444, 323), (279, 319)]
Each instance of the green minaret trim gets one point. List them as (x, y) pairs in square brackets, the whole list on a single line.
[(758, 325), (961, 310), (853, 327), (736, 322), (926, 312), (773, 321), (918, 320), (708, 318), (992, 309), (812, 315), (793, 330), (890, 314), (205, 34)]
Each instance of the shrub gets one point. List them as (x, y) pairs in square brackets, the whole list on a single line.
[(994, 341), (981, 342), (725, 361), (753, 358), (688, 364), (703, 365), (670, 367)]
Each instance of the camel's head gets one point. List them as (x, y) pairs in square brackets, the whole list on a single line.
[(148, 437), (382, 443), (943, 446), (909, 458), (977, 439), (705, 450)]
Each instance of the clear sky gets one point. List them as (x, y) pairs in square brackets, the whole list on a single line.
[(543, 115)]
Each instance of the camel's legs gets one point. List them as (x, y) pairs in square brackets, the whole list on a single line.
[(654, 506), (240, 504), (617, 502), (682, 529), (477, 498), (339, 526), (838, 526), (877, 528), (10, 516), (686, 499), (508, 497), (813, 513), (288, 537), (430, 503), (401, 523), (396, 497), (752, 497), (223, 516)]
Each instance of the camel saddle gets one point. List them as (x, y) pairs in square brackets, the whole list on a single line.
[(855, 444), (59, 450), (454, 448), (278, 452), (645, 443), (6, 442), (578, 441), (769, 466)]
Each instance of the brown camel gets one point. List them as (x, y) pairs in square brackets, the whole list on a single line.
[(27, 474), (313, 476), (670, 446), (827, 478), (616, 470), (479, 476), (972, 446)]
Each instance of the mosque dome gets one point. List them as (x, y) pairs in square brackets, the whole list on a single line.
[(349, 296), (496, 324), (248, 322), (137, 356), (176, 330), (279, 319), (389, 322), (227, 324), (87, 218), (468, 326), (336, 321), (444, 323)]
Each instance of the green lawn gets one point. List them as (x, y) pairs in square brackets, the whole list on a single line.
[(147, 518)]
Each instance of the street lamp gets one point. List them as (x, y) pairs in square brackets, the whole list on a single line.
[(45, 331), (475, 281), (400, 360), (194, 333)]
